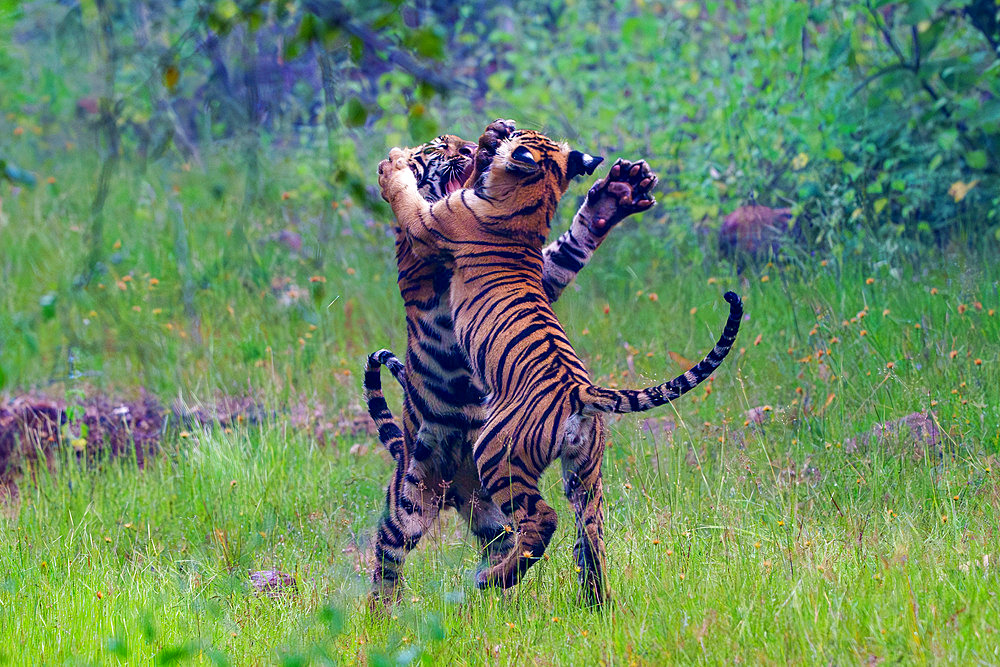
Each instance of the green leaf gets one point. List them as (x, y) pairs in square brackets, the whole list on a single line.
[(48, 305), (357, 48), (421, 124), (819, 14), (630, 28), (880, 204), (293, 48), (426, 42), (852, 170), (309, 28), (795, 21), (226, 10), (976, 159), (355, 113), (929, 38), (688, 9), (171, 655), (835, 154), (917, 11), (498, 81), (947, 139)]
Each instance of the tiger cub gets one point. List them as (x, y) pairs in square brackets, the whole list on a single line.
[(542, 405), (442, 409)]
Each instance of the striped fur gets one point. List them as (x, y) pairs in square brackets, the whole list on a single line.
[(389, 433), (443, 405), (542, 405), (442, 165)]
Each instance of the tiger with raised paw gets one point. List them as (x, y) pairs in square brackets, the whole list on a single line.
[(443, 405), (542, 405)]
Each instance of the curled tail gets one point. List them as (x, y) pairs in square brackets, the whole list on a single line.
[(389, 433), (600, 399)]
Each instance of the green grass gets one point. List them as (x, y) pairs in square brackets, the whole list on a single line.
[(716, 552)]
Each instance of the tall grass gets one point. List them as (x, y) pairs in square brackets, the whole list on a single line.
[(728, 539)]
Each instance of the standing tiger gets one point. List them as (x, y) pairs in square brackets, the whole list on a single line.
[(541, 403), (443, 405)]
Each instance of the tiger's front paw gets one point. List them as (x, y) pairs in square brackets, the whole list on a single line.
[(396, 166), (624, 191), (495, 133)]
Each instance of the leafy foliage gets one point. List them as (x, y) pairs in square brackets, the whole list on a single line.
[(861, 116), (208, 166)]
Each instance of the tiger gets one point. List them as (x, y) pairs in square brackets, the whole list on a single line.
[(442, 165), (541, 404), (443, 406)]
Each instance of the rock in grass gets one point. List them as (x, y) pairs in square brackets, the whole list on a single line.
[(273, 583), (917, 432), (753, 232)]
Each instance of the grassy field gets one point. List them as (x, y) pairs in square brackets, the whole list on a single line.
[(729, 540)]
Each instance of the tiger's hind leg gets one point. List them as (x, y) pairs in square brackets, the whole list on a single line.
[(410, 507), (582, 456), (487, 523), (513, 486), (413, 501)]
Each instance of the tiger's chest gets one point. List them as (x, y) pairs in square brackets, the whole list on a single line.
[(441, 384)]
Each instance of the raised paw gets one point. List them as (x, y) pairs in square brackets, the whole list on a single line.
[(496, 132), (399, 160), (624, 191)]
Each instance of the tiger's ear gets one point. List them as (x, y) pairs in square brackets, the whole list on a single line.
[(581, 163)]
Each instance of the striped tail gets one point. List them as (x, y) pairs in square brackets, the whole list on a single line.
[(600, 399), (389, 433)]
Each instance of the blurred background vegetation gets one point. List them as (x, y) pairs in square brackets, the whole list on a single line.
[(166, 161)]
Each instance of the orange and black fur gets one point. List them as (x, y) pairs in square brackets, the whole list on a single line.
[(541, 404), (443, 404)]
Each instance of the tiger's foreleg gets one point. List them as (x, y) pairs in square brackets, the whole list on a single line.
[(413, 212), (582, 456), (623, 192), (513, 485)]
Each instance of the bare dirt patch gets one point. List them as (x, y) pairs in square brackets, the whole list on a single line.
[(36, 426)]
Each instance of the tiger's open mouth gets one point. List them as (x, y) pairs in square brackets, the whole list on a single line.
[(458, 177)]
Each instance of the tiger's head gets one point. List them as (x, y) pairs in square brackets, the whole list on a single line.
[(527, 177), (442, 165)]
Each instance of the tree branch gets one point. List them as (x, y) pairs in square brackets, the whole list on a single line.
[(334, 14)]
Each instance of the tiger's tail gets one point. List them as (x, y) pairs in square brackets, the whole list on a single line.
[(600, 399), (389, 433)]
